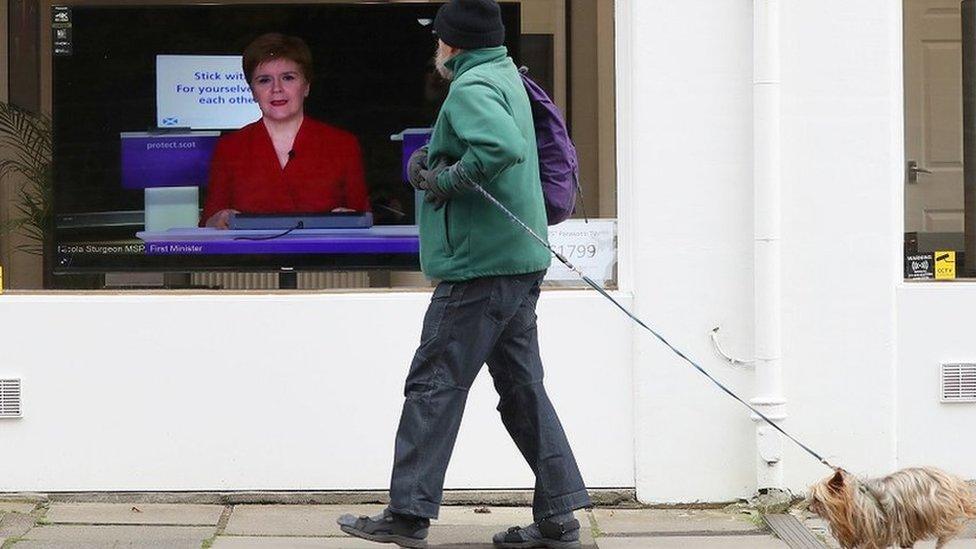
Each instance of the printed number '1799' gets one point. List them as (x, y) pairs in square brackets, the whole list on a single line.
[(577, 251)]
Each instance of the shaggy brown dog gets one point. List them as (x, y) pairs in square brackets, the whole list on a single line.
[(899, 509)]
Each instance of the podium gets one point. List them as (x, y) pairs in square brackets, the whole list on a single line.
[(169, 166)]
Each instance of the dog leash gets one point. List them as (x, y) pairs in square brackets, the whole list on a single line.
[(514, 218)]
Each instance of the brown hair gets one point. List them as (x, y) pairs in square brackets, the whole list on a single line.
[(273, 45)]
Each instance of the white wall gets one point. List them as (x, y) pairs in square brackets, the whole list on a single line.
[(843, 158), (291, 392), (692, 232), (273, 392), (692, 186), (934, 327)]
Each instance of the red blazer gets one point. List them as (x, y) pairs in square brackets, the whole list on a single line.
[(325, 172)]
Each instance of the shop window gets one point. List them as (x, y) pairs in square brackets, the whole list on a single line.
[(120, 104), (940, 139)]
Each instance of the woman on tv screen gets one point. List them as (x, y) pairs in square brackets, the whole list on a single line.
[(285, 162)]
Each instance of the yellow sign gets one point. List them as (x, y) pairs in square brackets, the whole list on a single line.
[(945, 265)]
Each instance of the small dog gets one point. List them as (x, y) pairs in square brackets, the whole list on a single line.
[(899, 509)]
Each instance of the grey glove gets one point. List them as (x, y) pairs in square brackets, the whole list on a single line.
[(427, 182), (417, 162)]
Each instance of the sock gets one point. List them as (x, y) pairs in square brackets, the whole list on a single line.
[(561, 518), (411, 518)]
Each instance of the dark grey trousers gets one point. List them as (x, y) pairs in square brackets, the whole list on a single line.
[(486, 320)]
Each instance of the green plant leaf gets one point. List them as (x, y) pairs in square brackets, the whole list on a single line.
[(25, 169)]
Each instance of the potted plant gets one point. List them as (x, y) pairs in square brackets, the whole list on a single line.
[(26, 172)]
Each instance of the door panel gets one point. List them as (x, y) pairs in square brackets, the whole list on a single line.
[(933, 115)]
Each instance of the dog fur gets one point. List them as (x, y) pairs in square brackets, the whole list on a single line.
[(902, 508)]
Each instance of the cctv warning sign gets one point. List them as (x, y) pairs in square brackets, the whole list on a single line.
[(945, 265)]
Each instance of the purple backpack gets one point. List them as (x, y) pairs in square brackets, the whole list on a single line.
[(558, 165)]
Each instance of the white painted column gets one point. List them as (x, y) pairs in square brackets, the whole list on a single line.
[(769, 397)]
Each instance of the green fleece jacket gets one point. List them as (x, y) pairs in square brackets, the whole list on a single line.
[(485, 126)]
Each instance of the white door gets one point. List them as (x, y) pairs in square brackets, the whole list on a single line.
[(933, 115)]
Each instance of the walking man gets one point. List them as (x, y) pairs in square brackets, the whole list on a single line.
[(483, 310)]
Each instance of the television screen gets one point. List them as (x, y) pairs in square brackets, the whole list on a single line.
[(142, 93)]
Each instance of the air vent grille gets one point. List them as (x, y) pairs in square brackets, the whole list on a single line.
[(959, 383), (10, 398)]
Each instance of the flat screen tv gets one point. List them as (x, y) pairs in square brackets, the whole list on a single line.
[(117, 72)]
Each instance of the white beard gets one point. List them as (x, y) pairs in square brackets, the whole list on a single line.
[(439, 62)]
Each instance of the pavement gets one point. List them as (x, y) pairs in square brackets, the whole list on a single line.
[(45, 524)]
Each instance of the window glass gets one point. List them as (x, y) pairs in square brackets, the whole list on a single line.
[(940, 204), (114, 111)]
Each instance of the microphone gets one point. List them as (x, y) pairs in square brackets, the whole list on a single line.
[(291, 154)]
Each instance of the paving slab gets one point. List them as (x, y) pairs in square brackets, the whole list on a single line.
[(792, 531), (16, 507), (696, 542), (15, 524), (292, 520), (818, 527), (652, 521), (134, 513), (276, 542), (149, 537), (499, 517), (467, 534)]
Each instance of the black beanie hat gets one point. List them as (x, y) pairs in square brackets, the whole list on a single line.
[(470, 24)]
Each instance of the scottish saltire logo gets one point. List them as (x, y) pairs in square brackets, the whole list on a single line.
[(171, 121)]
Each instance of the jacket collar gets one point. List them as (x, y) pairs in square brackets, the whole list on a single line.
[(466, 60)]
